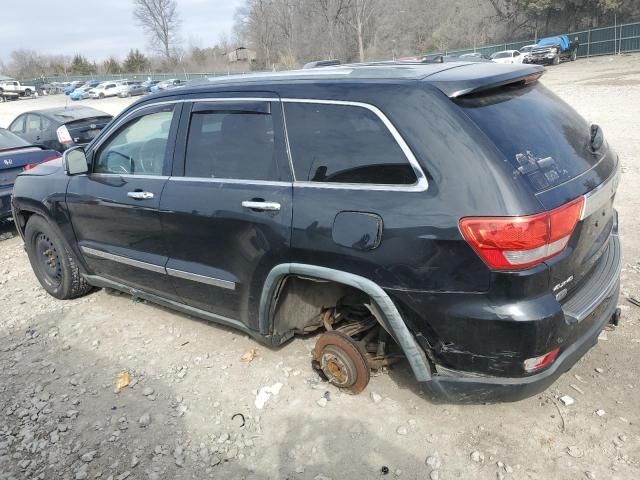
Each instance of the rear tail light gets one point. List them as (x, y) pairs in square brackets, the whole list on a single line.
[(538, 363), (64, 137), (514, 243), (34, 165)]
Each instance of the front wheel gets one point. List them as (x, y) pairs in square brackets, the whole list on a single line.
[(27, 93), (556, 60), (574, 55), (52, 263)]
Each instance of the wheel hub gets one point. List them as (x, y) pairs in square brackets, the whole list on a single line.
[(338, 368)]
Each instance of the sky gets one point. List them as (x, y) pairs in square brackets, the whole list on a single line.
[(100, 28)]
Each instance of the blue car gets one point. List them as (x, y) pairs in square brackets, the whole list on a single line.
[(71, 87), (16, 156), (80, 93)]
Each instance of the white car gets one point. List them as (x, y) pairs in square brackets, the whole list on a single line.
[(105, 89), (507, 56), (526, 50)]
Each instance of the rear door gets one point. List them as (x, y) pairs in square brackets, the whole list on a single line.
[(226, 210), (114, 209)]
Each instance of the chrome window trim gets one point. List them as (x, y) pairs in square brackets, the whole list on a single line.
[(421, 184), (275, 183), (129, 175), (216, 282), (92, 252)]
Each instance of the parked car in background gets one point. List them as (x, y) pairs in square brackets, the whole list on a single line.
[(16, 156), (167, 84), (132, 89), (150, 83), (13, 86), (60, 128), (105, 89), (72, 86), (553, 50), (474, 57), (81, 93), (507, 56), (393, 207)]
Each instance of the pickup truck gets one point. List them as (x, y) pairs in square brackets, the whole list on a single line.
[(553, 50), (13, 86)]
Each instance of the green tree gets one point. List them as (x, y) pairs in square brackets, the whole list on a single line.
[(111, 65), (135, 62), (81, 66)]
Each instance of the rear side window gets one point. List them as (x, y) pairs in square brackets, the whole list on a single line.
[(232, 145), (344, 144), (542, 137)]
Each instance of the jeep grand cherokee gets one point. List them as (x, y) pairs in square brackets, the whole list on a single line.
[(399, 210)]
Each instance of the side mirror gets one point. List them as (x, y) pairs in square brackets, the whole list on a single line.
[(75, 161)]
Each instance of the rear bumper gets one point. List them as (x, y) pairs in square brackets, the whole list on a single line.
[(596, 314)]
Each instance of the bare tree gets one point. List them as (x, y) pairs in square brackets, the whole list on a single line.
[(359, 16), (161, 22)]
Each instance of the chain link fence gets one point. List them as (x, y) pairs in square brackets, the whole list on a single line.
[(610, 40)]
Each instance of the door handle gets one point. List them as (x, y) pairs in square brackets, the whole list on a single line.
[(140, 195), (255, 205)]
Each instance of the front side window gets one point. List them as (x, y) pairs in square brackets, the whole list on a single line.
[(344, 144), (231, 145), (139, 148)]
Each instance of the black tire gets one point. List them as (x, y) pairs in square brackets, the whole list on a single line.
[(27, 93), (574, 55), (556, 60), (51, 262), (101, 96)]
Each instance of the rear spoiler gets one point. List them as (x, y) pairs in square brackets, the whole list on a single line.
[(468, 78)]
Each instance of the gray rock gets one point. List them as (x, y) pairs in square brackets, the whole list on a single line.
[(402, 430), (215, 460), (88, 457), (147, 391), (375, 397), (145, 420), (434, 475), (477, 457), (53, 437), (434, 461), (322, 402), (134, 461)]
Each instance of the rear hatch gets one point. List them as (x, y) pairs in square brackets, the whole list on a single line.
[(551, 148), (84, 130)]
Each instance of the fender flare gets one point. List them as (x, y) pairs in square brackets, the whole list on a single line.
[(415, 355)]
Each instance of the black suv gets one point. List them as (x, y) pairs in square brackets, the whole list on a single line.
[(459, 215)]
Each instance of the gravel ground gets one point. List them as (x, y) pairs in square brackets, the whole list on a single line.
[(62, 417)]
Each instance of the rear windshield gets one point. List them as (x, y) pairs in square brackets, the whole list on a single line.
[(8, 140), (99, 121), (544, 139)]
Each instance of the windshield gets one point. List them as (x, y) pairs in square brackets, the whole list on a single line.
[(540, 135)]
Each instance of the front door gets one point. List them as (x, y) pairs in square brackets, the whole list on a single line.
[(226, 210), (114, 209)]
